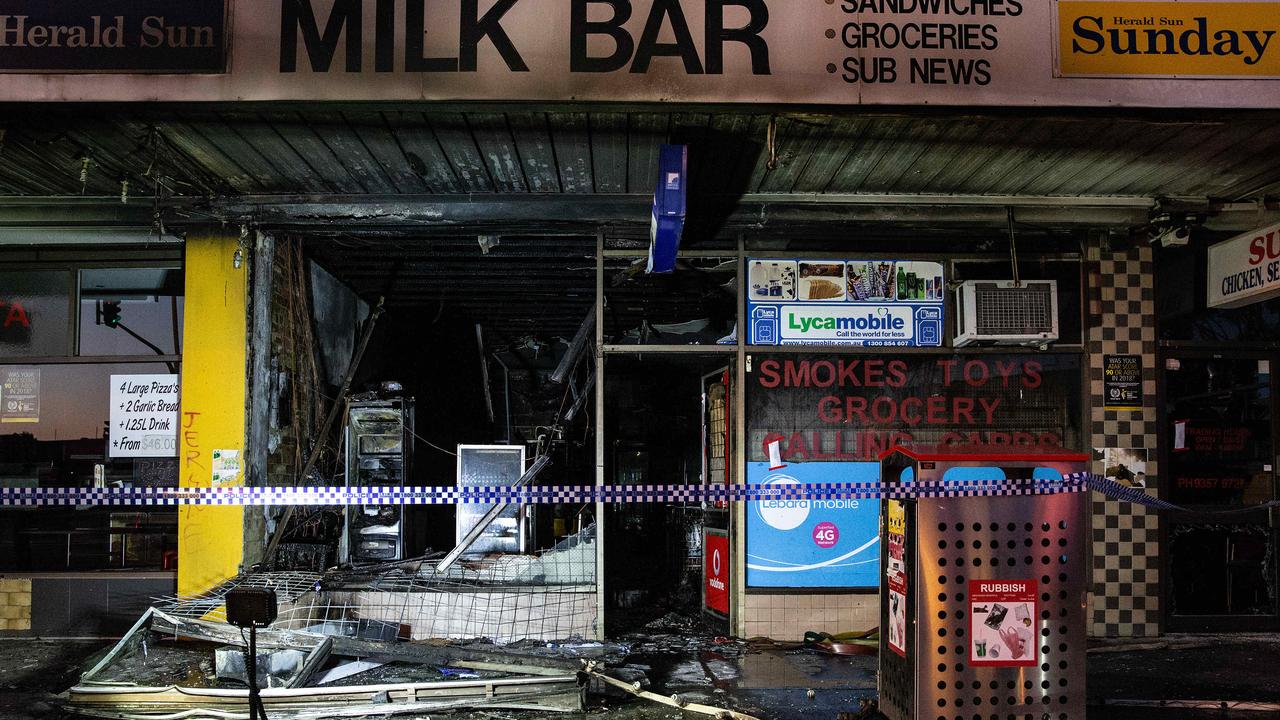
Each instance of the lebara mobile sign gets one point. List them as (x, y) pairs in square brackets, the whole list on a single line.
[(836, 302), (1245, 269), (1168, 39), (825, 542)]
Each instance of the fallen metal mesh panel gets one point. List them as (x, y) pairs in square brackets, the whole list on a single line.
[(211, 605), (504, 598)]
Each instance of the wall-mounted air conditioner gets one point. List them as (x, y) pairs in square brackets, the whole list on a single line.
[(996, 312)]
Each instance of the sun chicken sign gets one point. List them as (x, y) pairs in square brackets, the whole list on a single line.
[(1245, 269)]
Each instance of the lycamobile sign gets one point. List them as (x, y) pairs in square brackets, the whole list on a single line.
[(888, 324), (845, 302)]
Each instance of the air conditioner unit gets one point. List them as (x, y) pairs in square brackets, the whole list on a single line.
[(996, 312)]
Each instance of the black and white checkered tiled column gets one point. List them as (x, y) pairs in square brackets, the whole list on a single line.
[(1125, 537)]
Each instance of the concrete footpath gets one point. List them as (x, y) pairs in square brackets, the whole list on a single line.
[(776, 683)]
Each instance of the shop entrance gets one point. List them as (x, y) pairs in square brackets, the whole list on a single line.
[(1220, 430), (654, 430)]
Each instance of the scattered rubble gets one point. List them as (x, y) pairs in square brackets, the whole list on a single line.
[(168, 666)]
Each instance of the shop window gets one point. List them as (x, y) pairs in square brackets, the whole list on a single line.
[(1223, 569), (1181, 303), (131, 311), (64, 440), (65, 423), (1219, 430), (63, 437), (693, 306), (830, 416), (35, 308)]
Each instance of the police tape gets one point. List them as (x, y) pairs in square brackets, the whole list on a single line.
[(578, 494)]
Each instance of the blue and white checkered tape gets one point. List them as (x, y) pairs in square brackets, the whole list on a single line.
[(233, 496)]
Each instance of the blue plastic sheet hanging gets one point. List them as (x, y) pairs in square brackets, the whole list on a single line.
[(669, 204)]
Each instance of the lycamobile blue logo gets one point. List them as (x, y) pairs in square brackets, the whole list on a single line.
[(862, 322)]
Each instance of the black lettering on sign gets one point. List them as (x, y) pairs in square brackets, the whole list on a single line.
[(298, 16), (749, 35), (580, 29), (415, 33), (950, 71), (345, 20), (488, 26), (662, 12)]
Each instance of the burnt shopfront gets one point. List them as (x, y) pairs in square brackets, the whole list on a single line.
[(887, 224)]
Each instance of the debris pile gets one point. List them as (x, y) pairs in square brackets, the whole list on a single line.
[(169, 666)]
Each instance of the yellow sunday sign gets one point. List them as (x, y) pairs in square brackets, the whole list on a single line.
[(1168, 39)]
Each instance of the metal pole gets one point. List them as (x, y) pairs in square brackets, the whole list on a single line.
[(484, 373), (580, 339), (738, 448), (597, 312), (251, 670)]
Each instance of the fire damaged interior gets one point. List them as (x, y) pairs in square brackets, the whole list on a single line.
[(460, 298)]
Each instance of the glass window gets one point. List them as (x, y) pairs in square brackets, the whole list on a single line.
[(1222, 569), (35, 309), (1181, 296), (65, 435), (1219, 432), (131, 311)]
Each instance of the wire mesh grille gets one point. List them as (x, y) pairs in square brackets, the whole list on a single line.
[(1026, 310), (549, 596), (211, 605)]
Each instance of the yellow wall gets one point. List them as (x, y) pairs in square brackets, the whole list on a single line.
[(211, 539)]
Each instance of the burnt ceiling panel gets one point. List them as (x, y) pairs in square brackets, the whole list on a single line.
[(271, 150)]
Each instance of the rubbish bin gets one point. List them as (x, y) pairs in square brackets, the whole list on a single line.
[(983, 600)]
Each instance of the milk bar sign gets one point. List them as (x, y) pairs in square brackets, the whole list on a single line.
[(1245, 269), (147, 36)]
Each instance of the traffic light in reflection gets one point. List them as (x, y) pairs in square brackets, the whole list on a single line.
[(111, 313)]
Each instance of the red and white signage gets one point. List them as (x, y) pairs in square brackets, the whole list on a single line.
[(715, 571), (1002, 623), (1245, 269), (898, 614)]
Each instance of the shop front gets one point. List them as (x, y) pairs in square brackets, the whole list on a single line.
[(1218, 431), (901, 225), (865, 359), (91, 359)]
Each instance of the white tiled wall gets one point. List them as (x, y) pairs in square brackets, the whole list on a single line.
[(788, 617)]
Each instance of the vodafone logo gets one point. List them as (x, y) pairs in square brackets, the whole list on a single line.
[(783, 514), (713, 581)]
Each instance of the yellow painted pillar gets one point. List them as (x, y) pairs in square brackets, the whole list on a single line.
[(211, 538)]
